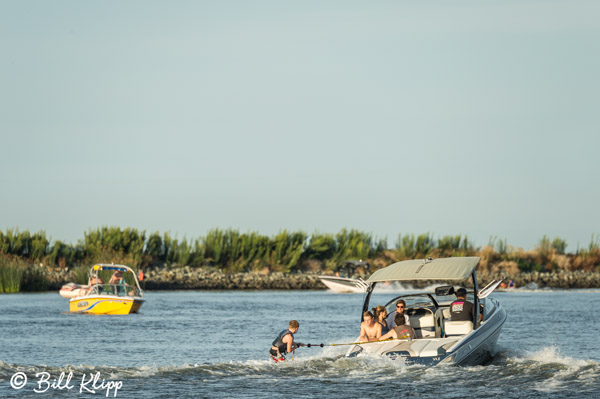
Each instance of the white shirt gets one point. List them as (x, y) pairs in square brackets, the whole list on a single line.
[(392, 323)]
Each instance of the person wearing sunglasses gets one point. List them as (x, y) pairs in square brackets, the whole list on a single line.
[(400, 309)]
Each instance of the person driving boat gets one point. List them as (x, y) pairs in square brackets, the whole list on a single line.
[(461, 309), (116, 278)]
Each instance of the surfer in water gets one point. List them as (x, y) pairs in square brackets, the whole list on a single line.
[(284, 343)]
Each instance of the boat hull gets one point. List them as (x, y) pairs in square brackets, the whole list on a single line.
[(73, 290), (105, 304), (341, 284), (480, 345)]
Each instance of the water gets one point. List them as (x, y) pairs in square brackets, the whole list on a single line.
[(214, 344)]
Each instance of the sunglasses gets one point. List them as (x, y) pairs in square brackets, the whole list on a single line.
[(400, 306)]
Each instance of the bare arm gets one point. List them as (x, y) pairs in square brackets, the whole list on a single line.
[(290, 342), (377, 331), (390, 334), (363, 333)]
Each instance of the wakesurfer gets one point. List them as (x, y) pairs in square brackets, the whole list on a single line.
[(284, 343)]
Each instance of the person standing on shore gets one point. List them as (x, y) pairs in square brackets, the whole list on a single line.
[(284, 343)]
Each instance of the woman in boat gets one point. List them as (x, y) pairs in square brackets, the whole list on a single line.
[(402, 330), (380, 314), (369, 329)]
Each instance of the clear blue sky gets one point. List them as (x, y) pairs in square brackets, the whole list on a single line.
[(464, 117)]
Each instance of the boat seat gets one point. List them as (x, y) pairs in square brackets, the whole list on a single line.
[(424, 325), (453, 328)]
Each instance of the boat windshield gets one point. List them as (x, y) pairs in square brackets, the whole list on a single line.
[(115, 289), (415, 300), (424, 300)]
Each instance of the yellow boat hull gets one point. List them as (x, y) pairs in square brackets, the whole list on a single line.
[(105, 304)]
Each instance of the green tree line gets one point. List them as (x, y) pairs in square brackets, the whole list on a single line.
[(225, 249), (232, 251)]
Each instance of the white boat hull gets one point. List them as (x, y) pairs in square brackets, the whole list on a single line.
[(73, 290), (343, 284)]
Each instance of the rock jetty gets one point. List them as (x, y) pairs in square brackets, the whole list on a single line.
[(214, 279), (206, 278)]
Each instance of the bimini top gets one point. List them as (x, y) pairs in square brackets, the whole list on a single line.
[(104, 266), (427, 269)]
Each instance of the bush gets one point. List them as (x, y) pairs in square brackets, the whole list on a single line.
[(11, 273)]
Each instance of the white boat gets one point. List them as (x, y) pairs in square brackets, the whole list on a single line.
[(341, 284), (344, 284), (437, 338), (72, 290)]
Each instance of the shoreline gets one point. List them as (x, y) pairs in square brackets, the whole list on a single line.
[(203, 278), (187, 278), (206, 278)]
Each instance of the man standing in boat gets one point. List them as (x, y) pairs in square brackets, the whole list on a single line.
[(284, 343)]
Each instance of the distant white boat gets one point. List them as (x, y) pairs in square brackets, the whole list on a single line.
[(343, 284), (347, 284)]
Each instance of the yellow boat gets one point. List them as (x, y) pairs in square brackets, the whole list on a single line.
[(122, 295)]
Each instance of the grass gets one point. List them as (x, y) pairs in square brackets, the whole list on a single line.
[(288, 251), (11, 274)]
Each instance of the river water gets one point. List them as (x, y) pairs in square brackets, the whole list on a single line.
[(189, 344)]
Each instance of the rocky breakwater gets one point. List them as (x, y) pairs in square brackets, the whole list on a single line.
[(214, 279), (560, 279), (533, 280)]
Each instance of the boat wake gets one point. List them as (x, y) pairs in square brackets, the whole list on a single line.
[(552, 371), (547, 363), (541, 372)]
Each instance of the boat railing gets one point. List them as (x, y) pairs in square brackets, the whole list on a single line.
[(115, 289)]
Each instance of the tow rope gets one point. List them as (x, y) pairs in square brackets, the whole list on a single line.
[(358, 343)]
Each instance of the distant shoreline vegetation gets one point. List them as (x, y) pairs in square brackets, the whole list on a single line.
[(29, 260)]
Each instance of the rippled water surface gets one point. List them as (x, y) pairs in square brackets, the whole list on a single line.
[(214, 344)]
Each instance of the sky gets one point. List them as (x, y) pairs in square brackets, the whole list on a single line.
[(477, 118)]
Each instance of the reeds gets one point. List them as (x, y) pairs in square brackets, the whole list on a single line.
[(34, 278), (287, 251), (11, 274)]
